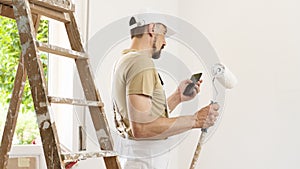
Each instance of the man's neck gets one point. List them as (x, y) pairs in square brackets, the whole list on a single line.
[(141, 44)]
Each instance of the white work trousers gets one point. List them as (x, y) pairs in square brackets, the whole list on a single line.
[(134, 154)]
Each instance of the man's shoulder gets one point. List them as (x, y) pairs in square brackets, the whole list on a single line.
[(136, 59)]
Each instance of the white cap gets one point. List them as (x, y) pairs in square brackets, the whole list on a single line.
[(148, 18)]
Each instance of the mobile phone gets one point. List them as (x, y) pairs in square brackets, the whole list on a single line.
[(189, 90)]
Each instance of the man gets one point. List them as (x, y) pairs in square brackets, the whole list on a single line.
[(140, 106)]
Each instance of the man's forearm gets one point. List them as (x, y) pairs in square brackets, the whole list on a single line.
[(173, 100), (162, 128)]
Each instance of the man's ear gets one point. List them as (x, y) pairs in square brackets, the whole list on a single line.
[(151, 29)]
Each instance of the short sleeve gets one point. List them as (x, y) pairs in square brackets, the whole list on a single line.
[(143, 83)]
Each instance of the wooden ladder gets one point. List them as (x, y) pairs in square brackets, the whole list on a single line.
[(27, 14)]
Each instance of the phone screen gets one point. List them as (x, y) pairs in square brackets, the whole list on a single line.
[(196, 77)]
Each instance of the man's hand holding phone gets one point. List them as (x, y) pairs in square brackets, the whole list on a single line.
[(177, 97), (191, 87)]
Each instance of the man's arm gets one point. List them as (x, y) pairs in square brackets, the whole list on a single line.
[(177, 97), (145, 125)]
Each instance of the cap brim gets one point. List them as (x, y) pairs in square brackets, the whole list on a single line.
[(170, 32)]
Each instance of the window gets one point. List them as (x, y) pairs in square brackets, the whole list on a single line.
[(26, 130)]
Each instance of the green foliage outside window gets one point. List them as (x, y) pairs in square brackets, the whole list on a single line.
[(10, 49)]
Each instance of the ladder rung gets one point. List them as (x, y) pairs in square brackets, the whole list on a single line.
[(6, 10), (78, 102), (69, 157), (8, 2), (57, 15), (60, 51), (58, 5), (64, 148)]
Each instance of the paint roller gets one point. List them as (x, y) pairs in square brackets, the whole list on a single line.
[(224, 76), (227, 79)]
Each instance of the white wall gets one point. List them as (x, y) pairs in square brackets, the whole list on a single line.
[(64, 81), (60, 83), (258, 41)]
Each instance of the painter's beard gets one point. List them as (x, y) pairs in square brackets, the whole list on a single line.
[(156, 53)]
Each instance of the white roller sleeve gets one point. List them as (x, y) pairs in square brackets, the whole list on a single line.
[(224, 76)]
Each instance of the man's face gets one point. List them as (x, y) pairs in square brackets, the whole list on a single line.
[(159, 41)]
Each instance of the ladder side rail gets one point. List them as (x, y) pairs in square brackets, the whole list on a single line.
[(14, 106), (37, 84), (12, 114)]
